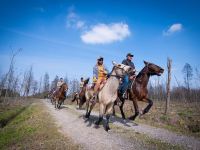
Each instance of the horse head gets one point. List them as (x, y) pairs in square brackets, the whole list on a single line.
[(121, 69), (64, 87), (153, 69), (86, 81)]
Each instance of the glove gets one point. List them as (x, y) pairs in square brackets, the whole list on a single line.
[(105, 72), (94, 79)]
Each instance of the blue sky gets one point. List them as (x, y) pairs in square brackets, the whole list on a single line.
[(65, 37)]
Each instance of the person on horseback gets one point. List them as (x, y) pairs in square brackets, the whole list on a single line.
[(127, 78), (81, 83), (100, 73), (59, 84)]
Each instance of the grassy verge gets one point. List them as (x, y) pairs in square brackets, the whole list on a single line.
[(144, 140), (33, 128), (183, 118)]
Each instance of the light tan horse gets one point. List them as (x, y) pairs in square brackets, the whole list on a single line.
[(108, 94)]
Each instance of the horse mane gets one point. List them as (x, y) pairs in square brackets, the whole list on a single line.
[(86, 81), (141, 72)]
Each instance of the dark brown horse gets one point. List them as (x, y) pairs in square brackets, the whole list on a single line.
[(139, 91), (80, 97), (76, 97), (50, 95), (59, 95)]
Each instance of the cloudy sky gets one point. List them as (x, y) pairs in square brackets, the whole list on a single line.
[(65, 37)]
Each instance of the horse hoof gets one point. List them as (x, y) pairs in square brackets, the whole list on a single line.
[(131, 118), (123, 117), (107, 128), (87, 116), (96, 123)]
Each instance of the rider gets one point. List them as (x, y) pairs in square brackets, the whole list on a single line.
[(59, 84), (81, 83), (100, 73), (127, 78)]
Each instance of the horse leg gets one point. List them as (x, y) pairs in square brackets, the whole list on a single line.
[(121, 108), (60, 103), (136, 110), (87, 108), (91, 107), (77, 101), (108, 112), (101, 112), (114, 108), (55, 103), (146, 110)]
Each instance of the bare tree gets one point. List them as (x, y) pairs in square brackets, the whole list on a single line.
[(197, 76), (40, 85), (66, 79), (46, 83), (54, 82), (28, 82), (169, 64), (34, 87), (188, 74), (74, 86), (10, 74), (15, 86)]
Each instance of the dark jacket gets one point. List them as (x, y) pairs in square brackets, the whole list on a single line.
[(129, 63)]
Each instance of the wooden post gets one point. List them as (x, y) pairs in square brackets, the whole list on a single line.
[(169, 62)]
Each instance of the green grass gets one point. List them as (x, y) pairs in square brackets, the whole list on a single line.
[(33, 128), (9, 114)]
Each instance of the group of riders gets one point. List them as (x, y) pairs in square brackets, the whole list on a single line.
[(101, 73)]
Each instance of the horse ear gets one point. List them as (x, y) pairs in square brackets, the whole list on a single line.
[(114, 63), (145, 62)]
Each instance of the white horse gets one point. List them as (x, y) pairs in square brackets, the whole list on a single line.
[(108, 94)]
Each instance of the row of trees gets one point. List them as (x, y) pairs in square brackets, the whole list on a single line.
[(187, 91), (13, 84), (24, 84)]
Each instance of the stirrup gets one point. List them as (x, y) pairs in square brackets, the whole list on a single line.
[(124, 95)]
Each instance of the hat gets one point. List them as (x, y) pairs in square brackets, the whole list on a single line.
[(100, 58), (129, 54)]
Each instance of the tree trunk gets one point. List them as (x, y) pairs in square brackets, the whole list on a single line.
[(169, 62)]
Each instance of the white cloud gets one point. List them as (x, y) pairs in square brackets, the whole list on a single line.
[(73, 20), (172, 29), (80, 24), (102, 33)]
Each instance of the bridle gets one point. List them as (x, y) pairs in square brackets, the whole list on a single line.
[(118, 76)]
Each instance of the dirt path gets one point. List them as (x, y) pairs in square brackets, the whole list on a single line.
[(72, 123)]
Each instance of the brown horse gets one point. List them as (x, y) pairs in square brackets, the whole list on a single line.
[(50, 95), (59, 95), (139, 91), (76, 97), (80, 97)]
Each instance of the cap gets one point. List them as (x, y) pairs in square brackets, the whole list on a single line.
[(129, 54), (100, 58)]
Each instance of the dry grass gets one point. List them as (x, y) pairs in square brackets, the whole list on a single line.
[(33, 129), (144, 140), (182, 117)]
